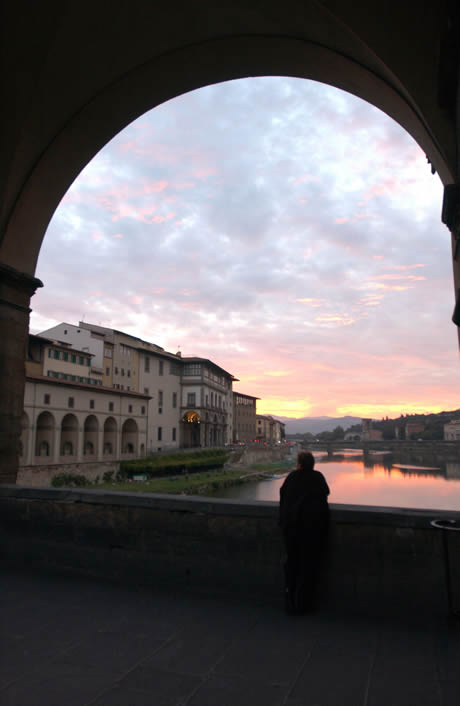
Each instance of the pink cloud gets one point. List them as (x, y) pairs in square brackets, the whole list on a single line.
[(310, 301), (388, 186), (339, 221), (305, 177), (185, 185), (358, 216), (204, 172), (411, 278), (155, 186), (97, 236), (118, 235), (405, 267)]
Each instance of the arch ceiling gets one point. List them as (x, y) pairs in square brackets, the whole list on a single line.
[(79, 73)]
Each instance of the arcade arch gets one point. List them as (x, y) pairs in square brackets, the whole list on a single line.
[(44, 435), (129, 438), (69, 436), (90, 436), (24, 441), (110, 437)]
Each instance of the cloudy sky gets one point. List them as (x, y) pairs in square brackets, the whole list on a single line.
[(283, 228)]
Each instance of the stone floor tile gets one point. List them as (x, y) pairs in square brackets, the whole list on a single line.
[(393, 691), (327, 681), (275, 662), (189, 655), (450, 692), (226, 690), (128, 697), (165, 688), (115, 652), (70, 685)]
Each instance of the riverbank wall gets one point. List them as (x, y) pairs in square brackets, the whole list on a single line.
[(251, 455), (380, 560)]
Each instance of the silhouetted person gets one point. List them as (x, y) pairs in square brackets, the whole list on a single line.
[(304, 520)]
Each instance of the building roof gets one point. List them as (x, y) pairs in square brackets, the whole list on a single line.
[(59, 344), (242, 394), (196, 359)]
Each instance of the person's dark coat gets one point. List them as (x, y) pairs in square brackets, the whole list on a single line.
[(304, 520), (303, 501)]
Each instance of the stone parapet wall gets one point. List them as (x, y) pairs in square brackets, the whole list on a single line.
[(41, 476), (380, 559)]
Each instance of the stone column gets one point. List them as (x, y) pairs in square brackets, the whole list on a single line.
[(100, 440), (16, 289), (451, 218)]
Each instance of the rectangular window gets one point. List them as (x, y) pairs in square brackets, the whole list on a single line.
[(46, 399), (174, 401), (147, 364), (81, 360), (191, 399), (56, 355), (160, 433), (107, 352), (65, 356), (192, 369), (128, 373), (116, 370), (142, 410), (174, 369), (110, 406), (160, 367), (174, 434), (50, 352), (146, 391), (130, 408), (73, 358), (91, 404), (88, 362), (160, 398), (123, 372), (71, 402), (107, 371)]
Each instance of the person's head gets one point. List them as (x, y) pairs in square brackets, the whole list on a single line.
[(305, 460)]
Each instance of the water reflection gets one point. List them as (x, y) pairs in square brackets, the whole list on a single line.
[(408, 479)]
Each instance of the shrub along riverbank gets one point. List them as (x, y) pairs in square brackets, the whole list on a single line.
[(178, 474), (173, 464)]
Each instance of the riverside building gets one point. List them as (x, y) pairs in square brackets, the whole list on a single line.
[(190, 400), (244, 417), (70, 416), (206, 403)]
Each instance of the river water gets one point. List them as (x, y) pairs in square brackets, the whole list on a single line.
[(376, 478)]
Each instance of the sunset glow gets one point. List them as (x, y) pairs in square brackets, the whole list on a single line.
[(284, 229)]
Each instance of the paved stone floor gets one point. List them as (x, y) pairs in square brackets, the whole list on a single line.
[(70, 642)]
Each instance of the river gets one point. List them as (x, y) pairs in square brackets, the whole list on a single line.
[(376, 478)]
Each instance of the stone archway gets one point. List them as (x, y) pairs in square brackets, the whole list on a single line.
[(129, 438), (69, 438), (191, 429), (90, 436), (410, 74), (44, 435), (109, 444), (24, 441)]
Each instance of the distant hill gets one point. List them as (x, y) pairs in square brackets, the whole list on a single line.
[(314, 425)]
